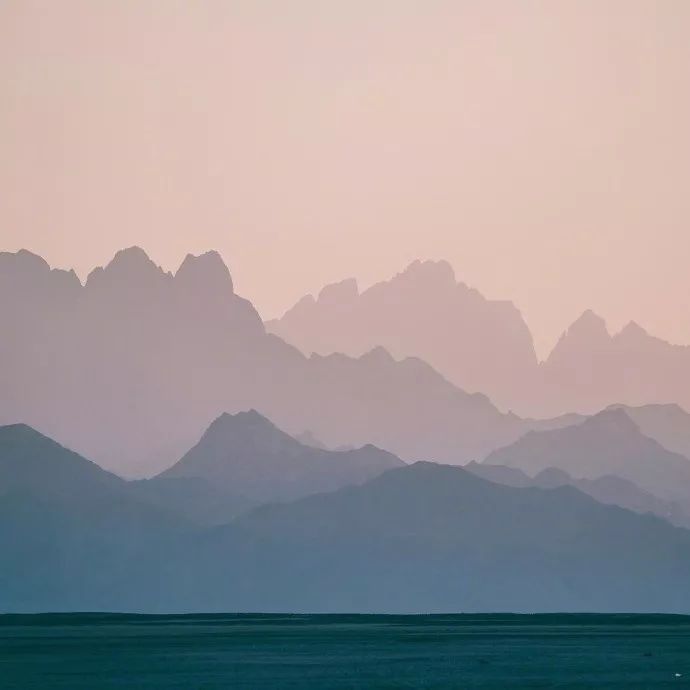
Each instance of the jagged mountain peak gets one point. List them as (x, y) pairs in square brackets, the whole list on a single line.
[(429, 271), (130, 257), (241, 419), (207, 269), (249, 425), (248, 453), (612, 419), (589, 323), (478, 344), (128, 265), (633, 330), (341, 292), (587, 333), (25, 260), (378, 355), (24, 266)]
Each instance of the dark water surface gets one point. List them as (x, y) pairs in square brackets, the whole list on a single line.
[(92, 651)]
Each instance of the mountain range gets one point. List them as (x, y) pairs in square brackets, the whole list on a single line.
[(418, 538), (244, 460), (608, 443), (129, 367), (485, 346), (607, 489), (318, 484), (480, 345)]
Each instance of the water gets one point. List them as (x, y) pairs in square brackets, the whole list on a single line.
[(93, 651)]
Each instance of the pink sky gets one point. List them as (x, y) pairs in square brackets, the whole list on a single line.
[(543, 148)]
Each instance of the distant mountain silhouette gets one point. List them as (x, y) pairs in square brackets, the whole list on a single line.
[(608, 443), (613, 490), (244, 460), (480, 345), (590, 369), (608, 489), (247, 454), (129, 368), (306, 438), (500, 474), (485, 346), (430, 538), (667, 424)]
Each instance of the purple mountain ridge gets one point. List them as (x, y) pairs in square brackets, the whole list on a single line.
[(480, 345), (589, 369), (608, 443), (485, 345), (246, 453), (128, 369)]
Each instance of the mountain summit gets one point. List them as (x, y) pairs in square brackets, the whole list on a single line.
[(248, 454), (206, 272), (480, 345), (608, 443)]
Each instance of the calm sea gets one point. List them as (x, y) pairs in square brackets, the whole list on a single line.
[(92, 651)]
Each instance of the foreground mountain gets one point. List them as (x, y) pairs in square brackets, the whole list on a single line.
[(608, 443), (429, 538), (194, 499), (480, 345), (247, 454), (128, 369), (421, 538), (72, 537)]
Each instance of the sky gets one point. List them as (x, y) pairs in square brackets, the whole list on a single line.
[(541, 147)]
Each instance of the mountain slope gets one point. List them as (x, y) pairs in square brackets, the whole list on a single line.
[(419, 538), (31, 462), (591, 368), (480, 345), (245, 453), (485, 346), (129, 368), (428, 538), (668, 424), (72, 536), (608, 489), (608, 443)]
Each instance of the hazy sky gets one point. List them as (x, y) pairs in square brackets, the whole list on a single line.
[(543, 148)]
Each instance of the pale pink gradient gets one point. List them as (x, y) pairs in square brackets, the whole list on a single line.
[(541, 147)]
